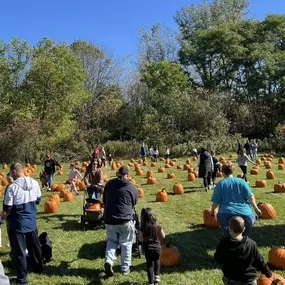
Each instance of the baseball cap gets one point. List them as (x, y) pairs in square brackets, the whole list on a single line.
[(123, 170)]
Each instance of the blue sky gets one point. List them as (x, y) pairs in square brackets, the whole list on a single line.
[(113, 24)]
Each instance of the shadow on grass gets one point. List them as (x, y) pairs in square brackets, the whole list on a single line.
[(59, 217), (92, 251)]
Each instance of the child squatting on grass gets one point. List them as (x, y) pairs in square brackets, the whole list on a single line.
[(72, 178), (240, 257), (151, 235)]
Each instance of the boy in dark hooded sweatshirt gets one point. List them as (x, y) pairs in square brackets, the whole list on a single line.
[(240, 257)]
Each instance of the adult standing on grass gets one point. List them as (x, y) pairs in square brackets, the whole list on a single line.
[(50, 164), (234, 197), (119, 198), (143, 152), (206, 167), (167, 153), (254, 147), (248, 149), (103, 156), (20, 202), (242, 160)]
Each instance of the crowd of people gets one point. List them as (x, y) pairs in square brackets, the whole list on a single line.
[(232, 196)]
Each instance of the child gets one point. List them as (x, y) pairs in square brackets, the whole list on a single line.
[(217, 167), (151, 236), (155, 154), (72, 178), (239, 256), (242, 160), (109, 159)]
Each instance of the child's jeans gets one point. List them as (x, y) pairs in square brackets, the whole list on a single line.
[(233, 282), (153, 264)]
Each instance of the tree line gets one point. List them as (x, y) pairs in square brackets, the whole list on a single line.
[(219, 78)]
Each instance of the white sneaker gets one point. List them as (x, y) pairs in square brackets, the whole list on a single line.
[(156, 279)]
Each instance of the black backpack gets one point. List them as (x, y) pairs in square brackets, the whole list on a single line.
[(46, 246)]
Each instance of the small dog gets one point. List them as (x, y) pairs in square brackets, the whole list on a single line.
[(46, 246)]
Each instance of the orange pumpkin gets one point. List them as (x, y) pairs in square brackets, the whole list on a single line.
[(240, 175), (178, 189), (162, 159), (191, 177), (81, 186), (195, 172), (186, 166), (188, 162), (280, 166), (167, 166), (5, 166), (275, 279), (254, 171), (60, 187), (4, 182), (219, 174), (171, 163), (56, 198), (139, 172), (161, 169), (179, 166), (149, 174), (114, 167), (68, 197), (54, 187), (260, 183), (162, 196), (194, 158), (270, 174), (281, 160), (145, 163), (279, 188), (60, 173), (50, 206), (94, 207), (140, 192), (267, 211), (151, 180), (210, 221), (83, 169), (106, 178), (170, 256), (276, 257), (258, 161), (268, 164), (130, 164), (153, 164), (174, 159), (132, 180), (171, 175), (62, 193)]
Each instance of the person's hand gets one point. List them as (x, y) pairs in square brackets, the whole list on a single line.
[(258, 212), (212, 213)]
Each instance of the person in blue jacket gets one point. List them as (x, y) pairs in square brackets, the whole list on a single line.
[(20, 202), (143, 152)]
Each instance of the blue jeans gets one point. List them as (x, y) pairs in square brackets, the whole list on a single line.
[(224, 219), (122, 235), (50, 177)]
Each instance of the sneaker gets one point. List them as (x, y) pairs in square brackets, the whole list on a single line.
[(126, 272), (156, 279), (18, 282), (108, 269), (48, 189)]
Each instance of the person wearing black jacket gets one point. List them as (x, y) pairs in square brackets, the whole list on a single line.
[(119, 198), (206, 167), (217, 167), (240, 257), (50, 165)]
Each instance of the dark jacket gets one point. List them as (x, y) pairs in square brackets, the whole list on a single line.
[(50, 165), (217, 165), (240, 259), (205, 165), (120, 198)]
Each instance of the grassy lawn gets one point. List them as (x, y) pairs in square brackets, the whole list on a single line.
[(78, 256)]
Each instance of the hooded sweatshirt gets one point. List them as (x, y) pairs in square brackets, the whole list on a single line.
[(20, 202), (240, 259), (120, 197)]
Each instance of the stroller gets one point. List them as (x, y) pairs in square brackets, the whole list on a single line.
[(137, 246), (92, 207)]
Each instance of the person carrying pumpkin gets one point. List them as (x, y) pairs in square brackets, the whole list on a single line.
[(152, 236), (49, 171), (73, 177), (239, 256)]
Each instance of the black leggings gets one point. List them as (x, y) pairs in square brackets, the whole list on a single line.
[(244, 170), (153, 264)]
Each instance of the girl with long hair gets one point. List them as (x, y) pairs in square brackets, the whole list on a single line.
[(151, 235)]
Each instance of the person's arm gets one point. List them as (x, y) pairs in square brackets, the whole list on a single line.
[(8, 200), (220, 253), (135, 196), (79, 174), (198, 162), (56, 163), (39, 193), (213, 208), (249, 160), (162, 234), (252, 202), (104, 193), (260, 264), (216, 199)]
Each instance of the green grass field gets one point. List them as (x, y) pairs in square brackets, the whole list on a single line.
[(78, 256)]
